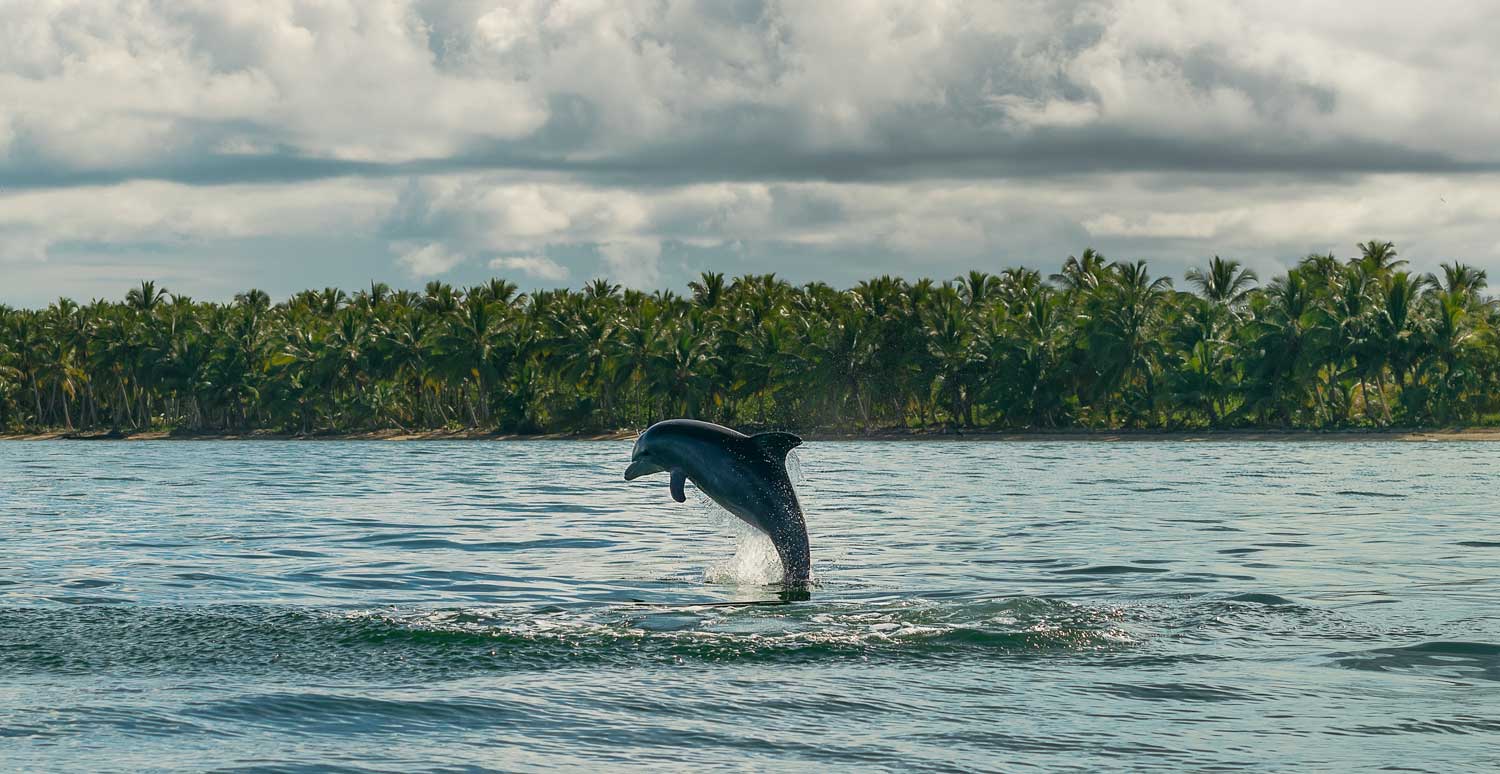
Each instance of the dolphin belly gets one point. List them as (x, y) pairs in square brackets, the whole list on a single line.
[(741, 495)]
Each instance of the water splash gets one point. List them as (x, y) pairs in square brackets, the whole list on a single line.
[(794, 467), (754, 563)]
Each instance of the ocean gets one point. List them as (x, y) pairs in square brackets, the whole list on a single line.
[(181, 606)]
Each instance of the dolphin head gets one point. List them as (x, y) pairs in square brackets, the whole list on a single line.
[(662, 448), (652, 454)]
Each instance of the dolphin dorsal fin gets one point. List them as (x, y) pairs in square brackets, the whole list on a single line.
[(776, 444)]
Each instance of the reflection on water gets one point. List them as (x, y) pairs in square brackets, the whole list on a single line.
[(503, 606)]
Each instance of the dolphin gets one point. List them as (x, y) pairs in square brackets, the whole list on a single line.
[(744, 473)]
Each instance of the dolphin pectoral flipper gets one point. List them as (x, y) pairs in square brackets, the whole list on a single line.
[(679, 477)]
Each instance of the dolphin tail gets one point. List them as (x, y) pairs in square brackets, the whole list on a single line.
[(775, 445)]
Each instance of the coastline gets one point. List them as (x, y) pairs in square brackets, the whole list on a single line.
[(1480, 434)]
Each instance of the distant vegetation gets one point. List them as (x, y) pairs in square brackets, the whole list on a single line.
[(1099, 345)]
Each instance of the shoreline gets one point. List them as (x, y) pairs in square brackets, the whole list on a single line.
[(1482, 434)]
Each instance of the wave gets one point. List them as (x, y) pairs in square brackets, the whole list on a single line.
[(439, 642)]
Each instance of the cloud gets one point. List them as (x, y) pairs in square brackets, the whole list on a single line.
[(23, 248), (635, 263), (534, 266), (216, 240), (131, 85), (34, 223), (427, 260), (838, 231), (643, 92), (299, 142)]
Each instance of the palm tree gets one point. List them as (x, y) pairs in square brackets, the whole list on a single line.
[(1460, 279), (146, 297), (1379, 258), (1278, 366), (977, 288), (684, 369), (768, 355), (496, 291), (1033, 340), (370, 300), (1450, 340), (638, 343), (708, 289), (950, 343), (1017, 287), (472, 344), (253, 298), (840, 343), (1225, 284), (1103, 344), (1082, 273), (1122, 315), (1396, 328), (439, 299)]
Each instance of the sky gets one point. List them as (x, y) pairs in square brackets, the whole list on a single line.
[(279, 144)]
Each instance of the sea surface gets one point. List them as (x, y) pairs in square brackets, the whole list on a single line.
[(469, 606)]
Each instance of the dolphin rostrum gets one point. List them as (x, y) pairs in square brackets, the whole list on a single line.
[(744, 473)]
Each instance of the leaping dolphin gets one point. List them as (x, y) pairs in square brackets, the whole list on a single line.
[(744, 473)]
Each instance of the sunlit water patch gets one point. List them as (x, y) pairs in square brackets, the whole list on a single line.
[(468, 606)]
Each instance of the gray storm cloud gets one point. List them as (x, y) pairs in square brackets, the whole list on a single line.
[(652, 139)]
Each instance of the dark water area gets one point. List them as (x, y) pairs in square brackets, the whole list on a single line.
[(452, 606)]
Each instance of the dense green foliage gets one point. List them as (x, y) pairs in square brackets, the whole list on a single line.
[(1099, 344)]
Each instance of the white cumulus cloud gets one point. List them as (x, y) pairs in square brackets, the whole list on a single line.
[(427, 260), (534, 266)]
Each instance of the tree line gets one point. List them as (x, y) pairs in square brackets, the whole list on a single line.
[(1100, 344)]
